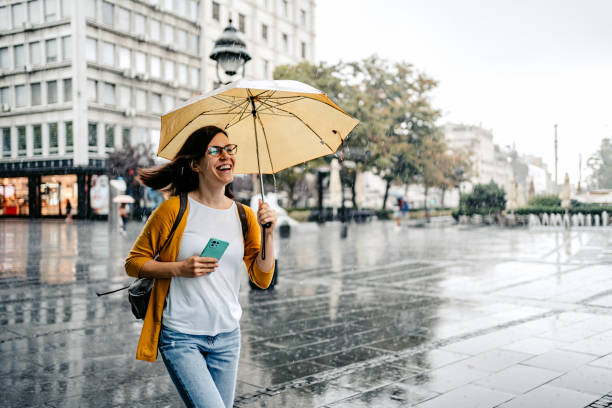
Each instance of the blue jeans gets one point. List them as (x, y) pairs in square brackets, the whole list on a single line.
[(203, 368)]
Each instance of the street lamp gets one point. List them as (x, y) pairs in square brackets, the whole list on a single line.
[(230, 53)]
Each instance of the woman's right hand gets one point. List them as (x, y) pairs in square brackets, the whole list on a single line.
[(197, 266)]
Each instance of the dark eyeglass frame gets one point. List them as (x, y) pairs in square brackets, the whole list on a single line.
[(230, 149)]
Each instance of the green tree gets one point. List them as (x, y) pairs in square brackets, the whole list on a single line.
[(601, 165), (485, 199)]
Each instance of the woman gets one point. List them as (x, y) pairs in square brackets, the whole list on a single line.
[(193, 315)]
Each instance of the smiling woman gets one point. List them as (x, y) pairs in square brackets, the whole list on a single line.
[(193, 315)]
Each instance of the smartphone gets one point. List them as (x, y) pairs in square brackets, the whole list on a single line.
[(215, 248)]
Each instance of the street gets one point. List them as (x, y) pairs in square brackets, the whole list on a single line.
[(437, 316)]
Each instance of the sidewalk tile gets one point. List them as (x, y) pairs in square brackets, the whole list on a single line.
[(594, 380), (468, 396), (548, 396), (494, 360), (562, 361), (518, 379)]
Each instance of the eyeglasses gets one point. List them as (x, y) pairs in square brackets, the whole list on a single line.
[(230, 149)]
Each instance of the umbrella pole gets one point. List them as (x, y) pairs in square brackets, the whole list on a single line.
[(264, 226)]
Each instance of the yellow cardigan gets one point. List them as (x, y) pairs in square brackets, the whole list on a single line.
[(146, 246)]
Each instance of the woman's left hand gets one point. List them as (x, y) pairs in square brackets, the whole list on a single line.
[(265, 214)]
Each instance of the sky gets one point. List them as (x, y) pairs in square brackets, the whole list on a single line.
[(516, 67)]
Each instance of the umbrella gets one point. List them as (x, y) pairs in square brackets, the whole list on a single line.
[(124, 198), (276, 124)]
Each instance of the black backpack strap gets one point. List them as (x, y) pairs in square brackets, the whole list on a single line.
[(243, 220), (183, 207)]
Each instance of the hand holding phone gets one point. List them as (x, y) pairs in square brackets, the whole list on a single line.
[(215, 248)]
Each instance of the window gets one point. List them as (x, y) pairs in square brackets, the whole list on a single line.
[(35, 57), (168, 5), (51, 92), (108, 11), (125, 96), (109, 136), (285, 8), (216, 11), (20, 96), (108, 53), (155, 67), (66, 8), (109, 94), (182, 74), (303, 49), (141, 62), (50, 10), (4, 58), (124, 58), (193, 43), (90, 9), (181, 39), (35, 12), (67, 90), (37, 139), (126, 136), (285, 42), (139, 24), (91, 49), (141, 100), (303, 18), (35, 94), (264, 32), (154, 27), (195, 77), (241, 23), (123, 19), (21, 141), (168, 34), (193, 10), (51, 49), (156, 103), (66, 48), (92, 137), (168, 70), (19, 56), (168, 103), (69, 141), (92, 90), (5, 96), (6, 142), (181, 8), (4, 16), (19, 15), (53, 139)]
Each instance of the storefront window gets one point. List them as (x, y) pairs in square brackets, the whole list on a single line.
[(14, 196), (56, 191)]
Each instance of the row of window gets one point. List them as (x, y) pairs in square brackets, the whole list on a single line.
[(139, 25), (216, 14), (36, 141), (17, 56), (39, 93), (115, 18), (136, 62), (20, 15)]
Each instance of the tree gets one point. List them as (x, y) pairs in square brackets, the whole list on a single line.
[(456, 168), (485, 199), (601, 165)]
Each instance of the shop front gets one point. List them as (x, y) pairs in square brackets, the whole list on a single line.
[(14, 196), (55, 194)]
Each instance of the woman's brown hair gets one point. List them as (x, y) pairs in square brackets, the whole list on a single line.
[(177, 176)]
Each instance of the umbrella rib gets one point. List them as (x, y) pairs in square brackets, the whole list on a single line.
[(240, 116), (308, 126), (267, 145)]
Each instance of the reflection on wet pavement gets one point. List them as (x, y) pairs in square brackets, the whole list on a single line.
[(385, 318)]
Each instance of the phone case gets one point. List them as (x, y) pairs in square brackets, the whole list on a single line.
[(215, 248)]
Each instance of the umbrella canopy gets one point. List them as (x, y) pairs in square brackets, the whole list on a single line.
[(124, 198), (276, 124)]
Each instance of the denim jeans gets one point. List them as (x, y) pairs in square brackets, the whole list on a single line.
[(203, 368)]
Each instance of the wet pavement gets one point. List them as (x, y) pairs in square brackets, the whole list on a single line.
[(443, 316)]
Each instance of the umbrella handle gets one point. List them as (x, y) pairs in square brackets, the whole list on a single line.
[(263, 239)]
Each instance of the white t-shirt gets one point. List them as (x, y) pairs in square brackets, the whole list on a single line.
[(207, 305)]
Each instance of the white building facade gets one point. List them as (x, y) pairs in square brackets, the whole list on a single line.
[(80, 78)]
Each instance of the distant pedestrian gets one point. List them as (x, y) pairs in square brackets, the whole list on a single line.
[(68, 211), (124, 212), (397, 212), (193, 318)]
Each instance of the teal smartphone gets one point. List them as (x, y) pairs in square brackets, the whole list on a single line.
[(215, 248)]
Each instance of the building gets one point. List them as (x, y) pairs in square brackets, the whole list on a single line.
[(488, 163), (81, 78)]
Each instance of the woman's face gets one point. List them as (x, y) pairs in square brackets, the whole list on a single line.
[(217, 168)]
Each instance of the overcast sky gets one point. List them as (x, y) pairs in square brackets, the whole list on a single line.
[(516, 67)]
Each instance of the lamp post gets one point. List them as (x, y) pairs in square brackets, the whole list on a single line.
[(230, 53)]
